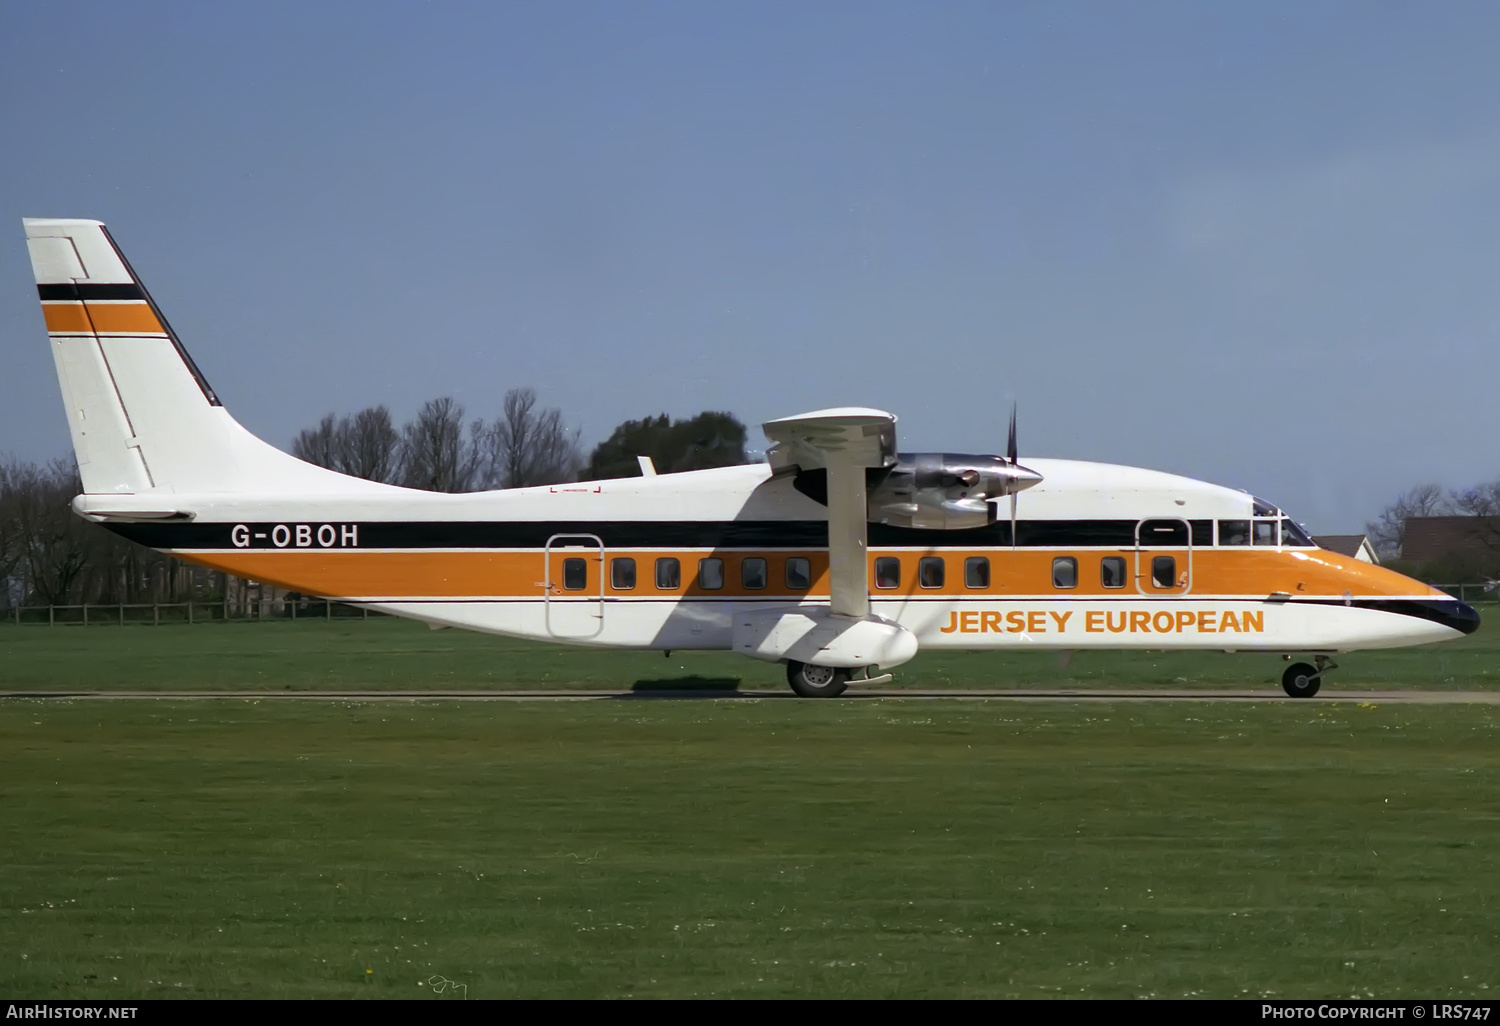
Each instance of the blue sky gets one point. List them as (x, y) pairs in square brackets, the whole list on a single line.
[(1252, 243)]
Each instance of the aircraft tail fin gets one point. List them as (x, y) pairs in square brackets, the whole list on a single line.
[(142, 415)]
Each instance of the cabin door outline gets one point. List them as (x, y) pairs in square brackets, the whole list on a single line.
[(1165, 537), (573, 614)]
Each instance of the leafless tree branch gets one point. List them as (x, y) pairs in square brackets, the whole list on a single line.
[(526, 446)]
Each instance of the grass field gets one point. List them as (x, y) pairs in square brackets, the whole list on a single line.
[(668, 848), (386, 653), (881, 848)]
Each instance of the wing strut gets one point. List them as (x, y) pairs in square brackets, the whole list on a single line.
[(848, 540), (845, 441)]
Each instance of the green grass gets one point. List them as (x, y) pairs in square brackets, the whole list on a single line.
[(880, 848), (387, 653)]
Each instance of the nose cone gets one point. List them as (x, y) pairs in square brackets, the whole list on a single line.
[(1464, 617), (1448, 612)]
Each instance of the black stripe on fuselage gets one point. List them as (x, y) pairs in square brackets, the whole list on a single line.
[(90, 291), (620, 534), (1460, 616)]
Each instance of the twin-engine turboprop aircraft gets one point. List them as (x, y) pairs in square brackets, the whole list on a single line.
[(839, 557)]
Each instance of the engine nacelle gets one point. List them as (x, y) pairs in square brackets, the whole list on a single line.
[(944, 491), (932, 490)]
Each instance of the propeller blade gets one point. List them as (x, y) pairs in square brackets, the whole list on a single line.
[(1012, 453)]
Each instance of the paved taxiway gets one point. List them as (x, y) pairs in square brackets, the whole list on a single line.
[(1391, 697)]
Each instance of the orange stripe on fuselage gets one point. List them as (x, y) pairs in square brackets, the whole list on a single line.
[(1249, 573), (103, 318), (483, 574)]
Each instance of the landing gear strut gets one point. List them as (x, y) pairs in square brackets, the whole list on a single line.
[(816, 681), (1302, 681)]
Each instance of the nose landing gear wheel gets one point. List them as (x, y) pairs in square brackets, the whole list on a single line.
[(816, 681), (1301, 680)]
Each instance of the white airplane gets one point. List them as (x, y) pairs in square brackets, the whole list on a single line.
[(840, 556)]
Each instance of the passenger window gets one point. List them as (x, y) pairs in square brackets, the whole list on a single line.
[(1112, 571), (888, 572), (798, 574), (575, 574), (1234, 532), (931, 572), (1265, 532), (622, 574), (976, 572), (668, 574), (1065, 572), (1164, 571), (710, 574), (753, 573)]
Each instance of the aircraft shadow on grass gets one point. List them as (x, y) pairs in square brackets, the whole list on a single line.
[(691, 686)]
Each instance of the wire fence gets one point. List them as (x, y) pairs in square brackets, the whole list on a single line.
[(1471, 592), (155, 614)]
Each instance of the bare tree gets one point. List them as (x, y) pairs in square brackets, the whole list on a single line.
[(436, 454), (372, 446), (1388, 531), (319, 445), (526, 446), (58, 544), (12, 538), (366, 445), (48, 555), (1482, 501)]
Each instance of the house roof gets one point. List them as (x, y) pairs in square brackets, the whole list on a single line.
[(1430, 538), (1343, 544)]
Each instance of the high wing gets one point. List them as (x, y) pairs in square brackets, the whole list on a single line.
[(844, 441)]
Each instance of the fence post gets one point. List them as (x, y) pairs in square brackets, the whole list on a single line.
[(85, 614), (122, 614), (294, 610), (156, 614), (328, 610), (190, 610), (51, 616)]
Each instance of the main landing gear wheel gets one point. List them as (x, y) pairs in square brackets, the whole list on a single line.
[(1301, 680), (817, 681)]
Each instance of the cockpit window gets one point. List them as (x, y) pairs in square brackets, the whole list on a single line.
[(1264, 532), (1264, 508), (1234, 532), (1293, 535)]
